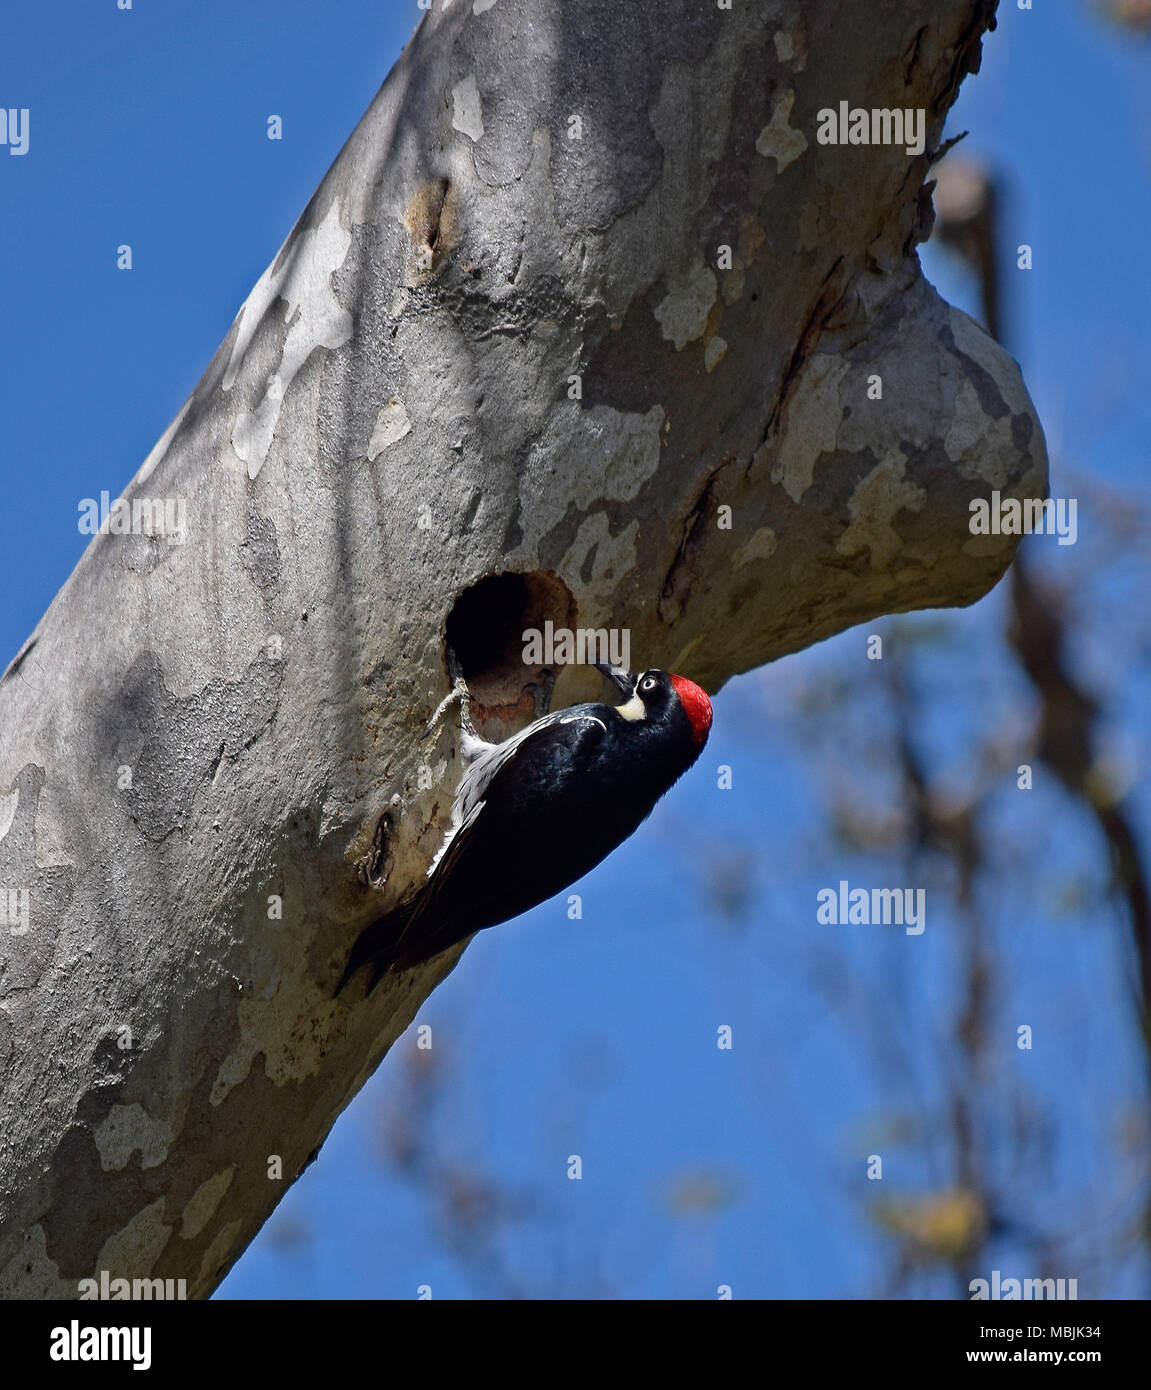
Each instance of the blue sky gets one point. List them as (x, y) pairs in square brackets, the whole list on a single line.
[(599, 1037)]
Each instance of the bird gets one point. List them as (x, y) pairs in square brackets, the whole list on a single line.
[(533, 814)]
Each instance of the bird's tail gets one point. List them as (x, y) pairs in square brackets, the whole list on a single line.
[(377, 945)]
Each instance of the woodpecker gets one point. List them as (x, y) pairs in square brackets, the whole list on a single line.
[(538, 811)]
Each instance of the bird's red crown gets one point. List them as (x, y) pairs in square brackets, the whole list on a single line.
[(696, 706)]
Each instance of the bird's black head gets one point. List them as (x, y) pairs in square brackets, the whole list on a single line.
[(659, 698)]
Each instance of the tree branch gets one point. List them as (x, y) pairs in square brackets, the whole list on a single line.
[(202, 731)]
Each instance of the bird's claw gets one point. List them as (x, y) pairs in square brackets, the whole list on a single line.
[(459, 694), (541, 692)]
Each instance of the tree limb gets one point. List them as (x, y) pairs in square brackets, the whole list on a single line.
[(196, 731)]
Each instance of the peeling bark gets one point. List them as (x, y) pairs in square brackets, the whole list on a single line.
[(196, 729)]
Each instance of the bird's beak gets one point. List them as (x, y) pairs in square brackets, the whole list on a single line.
[(623, 680)]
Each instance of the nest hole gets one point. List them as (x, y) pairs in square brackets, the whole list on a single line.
[(486, 630)]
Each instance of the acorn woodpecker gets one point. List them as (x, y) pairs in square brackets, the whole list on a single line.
[(538, 811)]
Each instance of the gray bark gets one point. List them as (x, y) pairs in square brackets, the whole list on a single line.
[(193, 729)]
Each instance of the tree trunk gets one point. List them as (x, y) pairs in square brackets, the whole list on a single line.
[(583, 278)]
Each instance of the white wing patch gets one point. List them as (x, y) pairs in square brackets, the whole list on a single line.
[(453, 830), (481, 763)]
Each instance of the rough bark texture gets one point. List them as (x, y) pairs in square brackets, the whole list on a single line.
[(388, 421)]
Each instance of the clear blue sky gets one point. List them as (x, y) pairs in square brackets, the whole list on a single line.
[(598, 1038)]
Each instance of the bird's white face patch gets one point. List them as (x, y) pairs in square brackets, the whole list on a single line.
[(633, 709)]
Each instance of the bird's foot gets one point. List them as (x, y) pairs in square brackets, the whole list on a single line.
[(459, 694), (541, 692)]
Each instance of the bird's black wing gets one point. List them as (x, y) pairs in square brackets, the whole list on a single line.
[(529, 792)]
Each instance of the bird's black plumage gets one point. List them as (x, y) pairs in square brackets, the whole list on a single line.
[(537, 812)]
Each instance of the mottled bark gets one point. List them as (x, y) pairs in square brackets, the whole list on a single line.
[(196, 729)]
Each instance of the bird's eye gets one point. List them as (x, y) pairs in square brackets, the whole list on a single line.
[(648, 683)]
